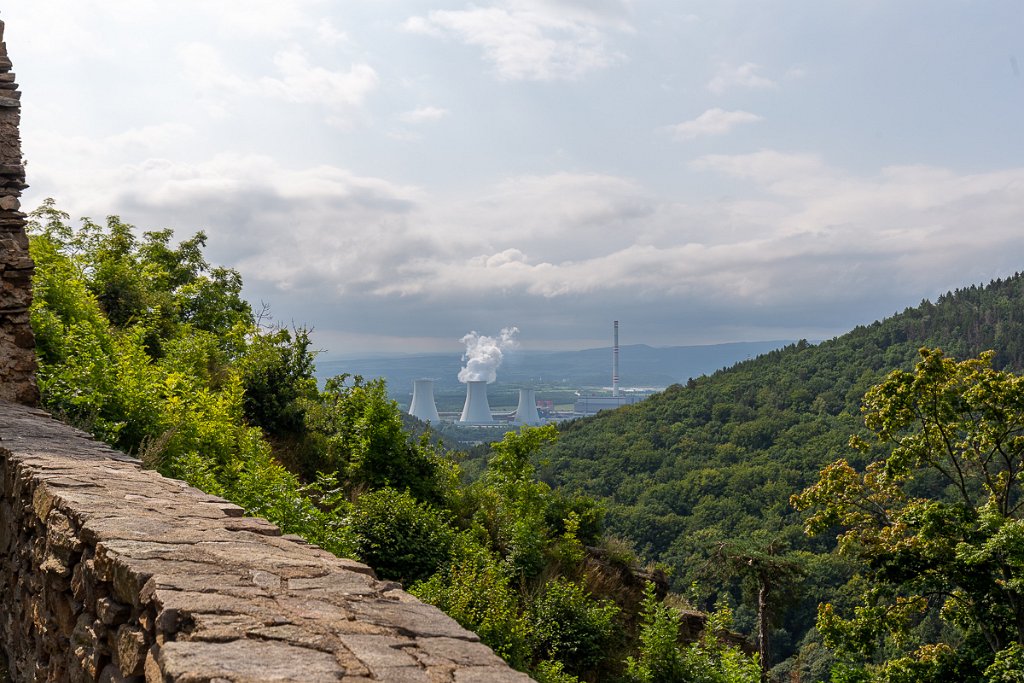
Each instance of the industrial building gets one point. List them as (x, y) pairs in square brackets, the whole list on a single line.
[(526, 412), (423, 405), (476, 411), (592, 404)]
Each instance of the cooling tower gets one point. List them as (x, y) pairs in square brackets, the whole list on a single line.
[(526, 413), (476, 411), (423, 405)]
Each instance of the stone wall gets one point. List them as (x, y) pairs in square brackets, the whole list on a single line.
[(113, 573), (17, 344)]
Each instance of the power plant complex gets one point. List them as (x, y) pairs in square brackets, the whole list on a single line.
[(476, 411)]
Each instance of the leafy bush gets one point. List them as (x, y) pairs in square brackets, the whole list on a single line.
[(400, 537), (663, 660), (571, 627), (475, 590), (552, 672)]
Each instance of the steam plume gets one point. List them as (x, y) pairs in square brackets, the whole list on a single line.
[(484, 354)]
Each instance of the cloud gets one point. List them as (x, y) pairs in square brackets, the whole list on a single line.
[(296, 80), (299, 81), (134, 142), (329, 34), (255, 18), (712, 122), (805, 245), (743, 76), (534, 39), (770, 168), (423, 114)]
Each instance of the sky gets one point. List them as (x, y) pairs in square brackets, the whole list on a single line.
[(398, 173)]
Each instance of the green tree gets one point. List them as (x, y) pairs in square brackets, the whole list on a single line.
[(570, 626), (139, 343), (662, 659), (358, 431), (511, 505), (769, 574), (936, 522), (276, 368)]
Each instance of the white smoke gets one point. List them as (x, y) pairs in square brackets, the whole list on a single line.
[(484, 354)]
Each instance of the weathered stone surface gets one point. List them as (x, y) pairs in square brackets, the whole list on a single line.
[(489, 674), (113, 573), (17, 354), (246, 660), (131, 649)]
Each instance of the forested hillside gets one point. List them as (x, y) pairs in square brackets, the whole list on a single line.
[(709, 468)]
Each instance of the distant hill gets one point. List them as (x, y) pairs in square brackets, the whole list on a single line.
[(639, 365), (717, 458)]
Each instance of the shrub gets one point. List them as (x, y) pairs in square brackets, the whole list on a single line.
[(474, 589), (399, 537), (569, 626)]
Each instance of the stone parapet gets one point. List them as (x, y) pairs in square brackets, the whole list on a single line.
[(17, 344), (110, 572)]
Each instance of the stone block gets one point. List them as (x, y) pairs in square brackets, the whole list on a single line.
[(111, 612), (131, 650), (246, 660)]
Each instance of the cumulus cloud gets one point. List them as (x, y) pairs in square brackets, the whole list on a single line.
[(745, 75), (712, 122), (296, 80), (541, 40), (300, 81), (423, 114)]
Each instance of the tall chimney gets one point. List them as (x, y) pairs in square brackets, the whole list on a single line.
[(423, 406), (526, 413), (476, 411), (615, 360), (17, 343)]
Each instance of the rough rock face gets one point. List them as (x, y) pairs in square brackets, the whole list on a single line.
[(17, 344), (113, 573)]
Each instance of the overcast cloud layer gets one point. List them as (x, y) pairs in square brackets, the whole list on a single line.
[(399, 173)]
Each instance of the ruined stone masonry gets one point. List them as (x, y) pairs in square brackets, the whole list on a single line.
[(110, 572), (17, 355)]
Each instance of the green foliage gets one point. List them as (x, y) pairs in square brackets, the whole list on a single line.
[(952, 558), (358, 431), (517, 575), (277, 373), (475, 590), (662, 659), (552, 672), (400, 537), (522, 517), (569, 626), (1008, 666)]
